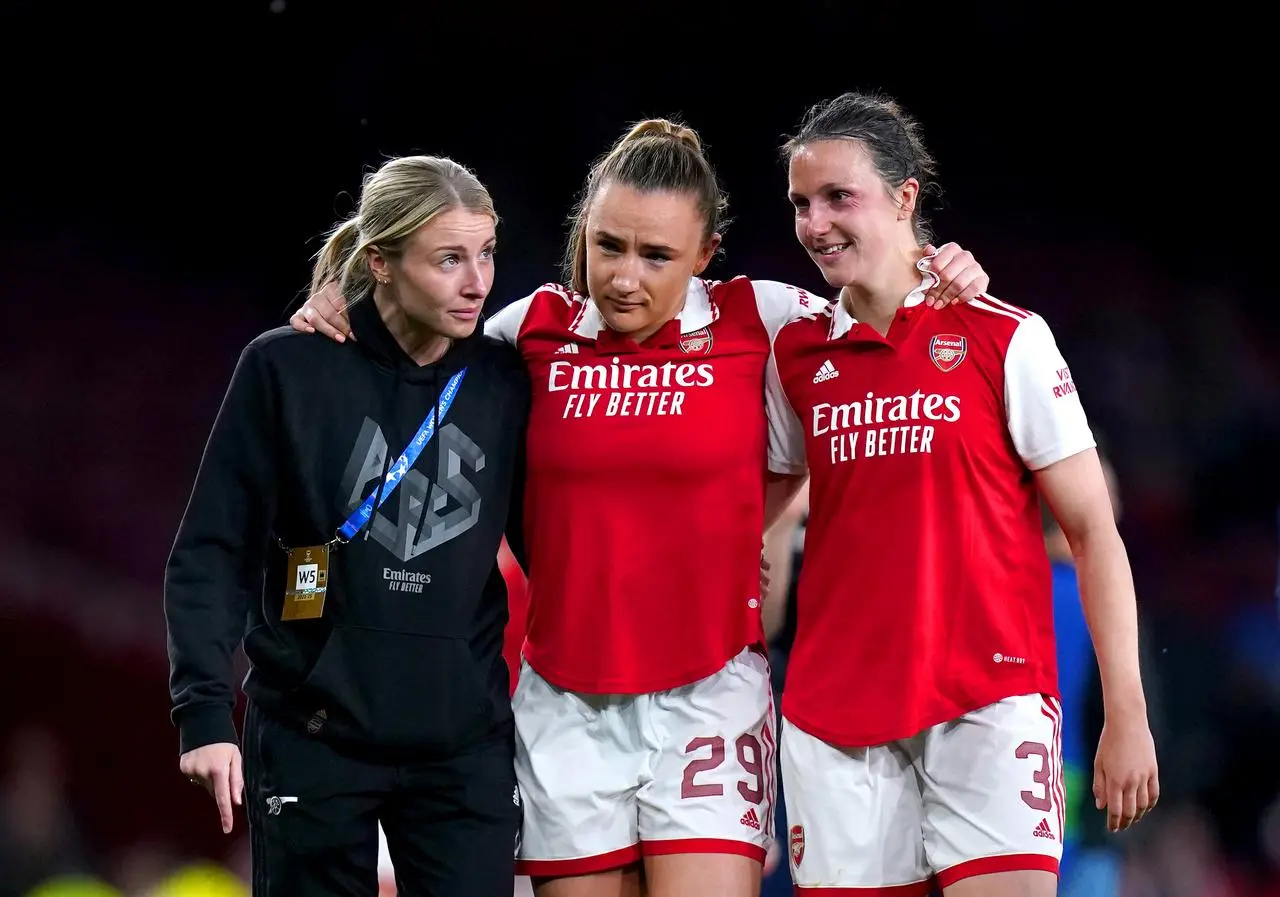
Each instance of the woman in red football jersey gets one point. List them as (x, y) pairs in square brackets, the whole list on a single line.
[(645, 743), (922, 731)]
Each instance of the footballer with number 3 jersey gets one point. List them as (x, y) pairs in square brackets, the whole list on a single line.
[(644, 712), (907, 424), (922, 727)]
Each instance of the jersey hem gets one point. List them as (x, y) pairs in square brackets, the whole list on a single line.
[(627, 687), (853, 739)]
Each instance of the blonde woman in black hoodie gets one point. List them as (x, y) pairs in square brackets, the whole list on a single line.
[(344, 527)]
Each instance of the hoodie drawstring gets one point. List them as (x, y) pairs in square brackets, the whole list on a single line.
[(434, 470)]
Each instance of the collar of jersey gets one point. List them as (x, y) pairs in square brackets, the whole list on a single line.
[(842, 322), (699, 311)]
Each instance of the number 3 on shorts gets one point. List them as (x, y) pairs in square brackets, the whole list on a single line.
[(1041, 777), (749, 760)]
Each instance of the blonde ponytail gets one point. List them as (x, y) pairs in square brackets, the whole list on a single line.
[(341, 253)]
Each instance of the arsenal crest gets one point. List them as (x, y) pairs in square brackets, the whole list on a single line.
[(797, 844), (947, 351), (696, 343)]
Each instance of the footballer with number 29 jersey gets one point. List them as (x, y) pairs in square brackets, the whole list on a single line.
[(644, 515)]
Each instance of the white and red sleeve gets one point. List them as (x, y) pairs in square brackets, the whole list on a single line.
[(505, 325), (1046, 419), (786, 434), (781, 303)]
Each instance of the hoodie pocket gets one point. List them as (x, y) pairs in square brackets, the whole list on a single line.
[(399, 690)]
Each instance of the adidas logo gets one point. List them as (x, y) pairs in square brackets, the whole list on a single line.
[(826, 372), (1043, 831), (567, 349), (750, 819)]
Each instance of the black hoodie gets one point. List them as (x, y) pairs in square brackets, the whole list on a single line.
[(406, 659)]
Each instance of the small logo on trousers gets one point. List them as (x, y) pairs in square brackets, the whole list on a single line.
[(275, 803)]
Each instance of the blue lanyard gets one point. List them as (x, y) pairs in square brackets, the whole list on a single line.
[(360, 516)]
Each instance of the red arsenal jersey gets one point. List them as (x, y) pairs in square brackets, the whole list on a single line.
[(517, 609), (925, 591), (645, 499)]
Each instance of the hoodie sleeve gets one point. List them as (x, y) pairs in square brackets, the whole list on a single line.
[(216, 565)]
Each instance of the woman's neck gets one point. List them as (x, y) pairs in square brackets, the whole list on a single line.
[(875, 299), (421, 343)]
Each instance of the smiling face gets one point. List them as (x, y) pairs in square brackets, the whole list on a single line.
[(440, 277), (642, 249), (847, 217)]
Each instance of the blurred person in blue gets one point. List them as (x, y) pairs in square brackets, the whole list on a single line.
[(362, 579)]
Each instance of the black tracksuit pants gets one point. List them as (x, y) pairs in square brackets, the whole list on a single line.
[(450, 824)]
